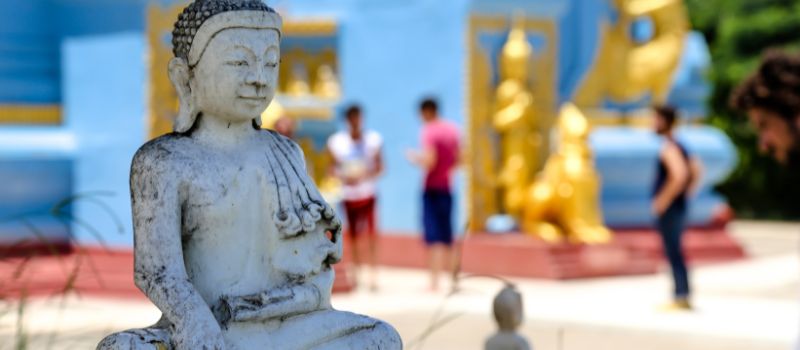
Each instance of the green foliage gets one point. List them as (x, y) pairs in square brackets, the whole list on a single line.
[(738, 31)]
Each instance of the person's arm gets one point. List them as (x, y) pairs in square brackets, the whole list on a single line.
[(159, 270), (334, 163), (379, 166), (696, 172), (677, 176), (508, 117), (424, 159)]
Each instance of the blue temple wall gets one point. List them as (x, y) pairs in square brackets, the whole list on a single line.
[(81, 163), (31, 34), (392, 54), (90, 57), (105, 104)]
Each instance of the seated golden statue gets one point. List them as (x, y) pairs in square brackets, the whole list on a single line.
[(514, 121), (563, 202), (627, 69), (326, 85)]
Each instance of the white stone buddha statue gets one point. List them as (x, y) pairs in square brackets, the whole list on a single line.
[(233, 242)]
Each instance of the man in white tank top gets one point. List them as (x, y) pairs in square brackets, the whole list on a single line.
[(357, 162)]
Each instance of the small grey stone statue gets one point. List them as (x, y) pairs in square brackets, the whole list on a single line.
[(232, 240), (508, 313)]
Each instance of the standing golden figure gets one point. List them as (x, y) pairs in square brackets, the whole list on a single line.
[(515, 122)]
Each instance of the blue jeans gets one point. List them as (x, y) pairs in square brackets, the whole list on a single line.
[(671, 225)]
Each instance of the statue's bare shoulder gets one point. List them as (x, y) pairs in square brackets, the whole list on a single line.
[(162, 156)]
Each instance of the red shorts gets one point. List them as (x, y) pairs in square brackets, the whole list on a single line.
[(360, 216)]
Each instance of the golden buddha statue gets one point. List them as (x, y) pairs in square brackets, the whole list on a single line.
[(514, 121), (628, 69), (563, 202), (326, 85), (298, 81)]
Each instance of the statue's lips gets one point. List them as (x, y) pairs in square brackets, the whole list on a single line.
[(253, 98)]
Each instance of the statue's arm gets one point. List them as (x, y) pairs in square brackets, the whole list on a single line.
[(508, 116), (159, 270), (279, 302)]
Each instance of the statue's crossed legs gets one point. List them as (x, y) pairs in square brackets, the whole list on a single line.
[(325, 329)]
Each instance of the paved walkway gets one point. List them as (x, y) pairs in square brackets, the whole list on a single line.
[(750, 304)]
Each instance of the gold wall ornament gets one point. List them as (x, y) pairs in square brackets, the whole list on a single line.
[(626, 70), (49, 114), (313, 27), (163, 100), (480, 174), (515, 120), (563, 203)]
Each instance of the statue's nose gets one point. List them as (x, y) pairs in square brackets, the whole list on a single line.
[(257, 77)]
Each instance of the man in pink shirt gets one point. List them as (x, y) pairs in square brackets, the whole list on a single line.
[(438, 157)]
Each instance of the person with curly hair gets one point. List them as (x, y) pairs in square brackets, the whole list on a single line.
[(771, 98)]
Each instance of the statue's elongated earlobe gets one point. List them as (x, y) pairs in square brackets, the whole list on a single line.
[(179, 75)]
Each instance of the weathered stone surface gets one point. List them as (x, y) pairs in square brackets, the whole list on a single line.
[(233, 241)]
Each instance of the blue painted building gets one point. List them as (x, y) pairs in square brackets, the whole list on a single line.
[(94, 65)]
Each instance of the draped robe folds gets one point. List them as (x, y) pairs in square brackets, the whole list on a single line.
[(258, 242)]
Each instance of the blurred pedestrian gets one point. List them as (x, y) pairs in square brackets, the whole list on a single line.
[(358, 163), (437, 158), (286, 126), (677, 172), (770, 97)]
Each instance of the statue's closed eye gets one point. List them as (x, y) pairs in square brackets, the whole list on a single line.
[(240, 63)]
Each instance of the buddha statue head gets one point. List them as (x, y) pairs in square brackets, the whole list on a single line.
[(507, 307), (517, 51), (226, 60)]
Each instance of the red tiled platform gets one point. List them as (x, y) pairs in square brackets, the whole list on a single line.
[(631, 252), (87, 271), (94, 271), (704, 245), (523, 256)]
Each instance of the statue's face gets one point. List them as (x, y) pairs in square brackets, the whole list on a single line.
[(237, 74)]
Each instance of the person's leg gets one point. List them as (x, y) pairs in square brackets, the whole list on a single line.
[(430, 229), (352, 230), (680, 269), (371, 237), (446, 227), (670, 226), (436, 253)]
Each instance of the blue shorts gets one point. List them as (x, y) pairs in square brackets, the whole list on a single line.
[(437, 212)]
